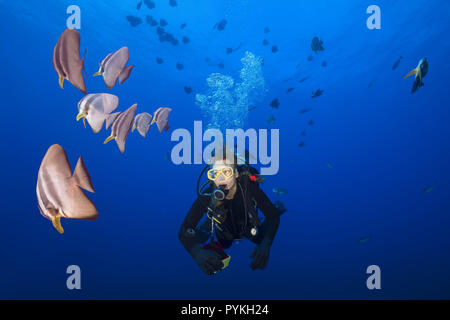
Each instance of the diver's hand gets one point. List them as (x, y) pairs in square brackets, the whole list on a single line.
[(207, 260), (260, 256)]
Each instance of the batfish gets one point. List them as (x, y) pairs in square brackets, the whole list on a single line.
[(161, 117), (66, 59), (113, 67), (142, 123), (121, 127), (59, 191), (96, 108)]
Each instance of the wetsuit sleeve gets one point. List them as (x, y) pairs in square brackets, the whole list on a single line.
[(198, 209), (268, 209)]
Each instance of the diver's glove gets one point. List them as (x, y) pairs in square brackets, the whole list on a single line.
[(208, 260), (260, 256)]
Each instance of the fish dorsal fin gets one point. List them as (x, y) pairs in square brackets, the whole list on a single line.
[(81, 176), (412, 72)]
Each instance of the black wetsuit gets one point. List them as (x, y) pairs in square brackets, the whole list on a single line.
[(236, 224)]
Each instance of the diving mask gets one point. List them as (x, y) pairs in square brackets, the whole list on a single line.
[(214, 174)]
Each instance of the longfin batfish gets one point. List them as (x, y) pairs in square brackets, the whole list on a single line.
[(419, 73), (121, 127), (113, 67), (96, 108), (59, 191), (161, 117), (142, 123), (66, 59)]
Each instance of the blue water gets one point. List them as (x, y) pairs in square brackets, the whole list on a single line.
[(386, 145)]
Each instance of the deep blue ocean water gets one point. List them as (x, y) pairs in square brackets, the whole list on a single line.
[(386, 146)]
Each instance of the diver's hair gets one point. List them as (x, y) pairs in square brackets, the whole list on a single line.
[(225, 154)]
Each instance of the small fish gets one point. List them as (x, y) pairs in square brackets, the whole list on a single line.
[(180, 66), (161, 118), (183, 25), (279, 191), (173, 3), (289, 90), (275, 103), (396, 63), (303, 133), (265, 42), (372, 82), (280, 207), (134, 21), (152, 22), (185, 39), (150, 4), (96, 108), (113, 67), (250, 108), (310, 57), (364, 239), (142, 123), (122, 127), (229, 50), (429, 188), (221, 65), (266, 30), (303, 79), (188, 90), (311, 122), (305, 110), (270, 119), (159, 60), (317, 45), (221, 25), (162, 22), (419, 73), (59, 192), (324, 63), (330, 165), (274, 49), (139, 5), (301, 144), (316, 93)]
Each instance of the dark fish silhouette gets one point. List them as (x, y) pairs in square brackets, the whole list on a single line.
[(274, 49), (161, 117), (305, 110), (185, 39), (310, 58), (396, 63), (113, 67), (280, 207), (317, 44), (58, 191), (250, 108), (289, 90), (159, 60), (265, 42), (311, 122), (183, 25), (324, 63), (121, 127), (139, 5), (301, 144), (419, 73), (162, 22), (220, 25), (372, 82), (96, 108), (270, 119), (275, 103), (221, 65), (180, 66), (152, 22), (303, 133), (142, 123), (150, 4), (134, 21), (266, 30), (66, 60), (188, 90), (316, 93), (303, 79), (173, 3), (229, 50)]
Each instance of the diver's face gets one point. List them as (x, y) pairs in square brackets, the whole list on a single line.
[(222, 180)]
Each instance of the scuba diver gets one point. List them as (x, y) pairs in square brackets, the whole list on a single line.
[(230, 200)]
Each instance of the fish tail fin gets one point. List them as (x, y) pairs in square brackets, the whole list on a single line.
[(81, 176), (414, 71), (56, 221)]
